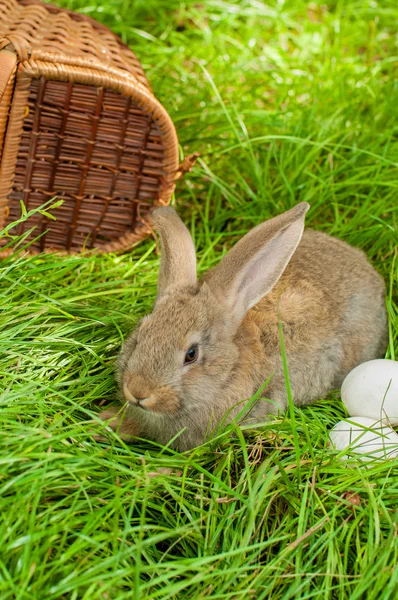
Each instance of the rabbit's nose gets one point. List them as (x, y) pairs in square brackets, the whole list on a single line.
[(130, 397)]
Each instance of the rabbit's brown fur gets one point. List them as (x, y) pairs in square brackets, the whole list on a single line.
[(329, 299)]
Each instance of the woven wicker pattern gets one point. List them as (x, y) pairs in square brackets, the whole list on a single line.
[(78, 121)]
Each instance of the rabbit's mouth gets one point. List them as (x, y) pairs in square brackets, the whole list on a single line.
[(145, 403)]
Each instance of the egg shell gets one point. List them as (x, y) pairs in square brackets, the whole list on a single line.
[(364, 436), (371, 390)]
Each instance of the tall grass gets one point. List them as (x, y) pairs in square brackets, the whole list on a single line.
[(286, 101)]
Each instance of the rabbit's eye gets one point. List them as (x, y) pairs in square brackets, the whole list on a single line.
[(192, 354)]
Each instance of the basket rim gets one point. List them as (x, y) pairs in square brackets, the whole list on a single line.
[(9, 44)]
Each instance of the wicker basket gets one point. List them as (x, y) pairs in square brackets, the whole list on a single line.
[(78, 121)]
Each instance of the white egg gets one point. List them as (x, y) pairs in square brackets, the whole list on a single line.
[(371, 390), (364, 436)]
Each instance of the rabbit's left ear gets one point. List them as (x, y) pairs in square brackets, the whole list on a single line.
[(254, 265), (178, 258)]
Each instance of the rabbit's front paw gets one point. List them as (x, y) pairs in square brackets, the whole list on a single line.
[(118, 421)]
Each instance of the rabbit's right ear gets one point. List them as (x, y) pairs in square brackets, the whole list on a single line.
[(254, 265), (178, 258)]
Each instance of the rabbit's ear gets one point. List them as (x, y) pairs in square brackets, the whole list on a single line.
[(254, 265), (178, 258)]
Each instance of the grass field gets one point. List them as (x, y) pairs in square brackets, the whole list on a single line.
[(286, 101)]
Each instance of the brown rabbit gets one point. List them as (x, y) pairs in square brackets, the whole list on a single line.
[(209, 345)]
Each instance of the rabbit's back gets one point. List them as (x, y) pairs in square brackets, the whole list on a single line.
[(331, 302)]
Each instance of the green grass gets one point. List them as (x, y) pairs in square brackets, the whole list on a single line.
[(286, 101)]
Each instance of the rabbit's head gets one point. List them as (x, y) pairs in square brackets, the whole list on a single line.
[(183, 355)]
